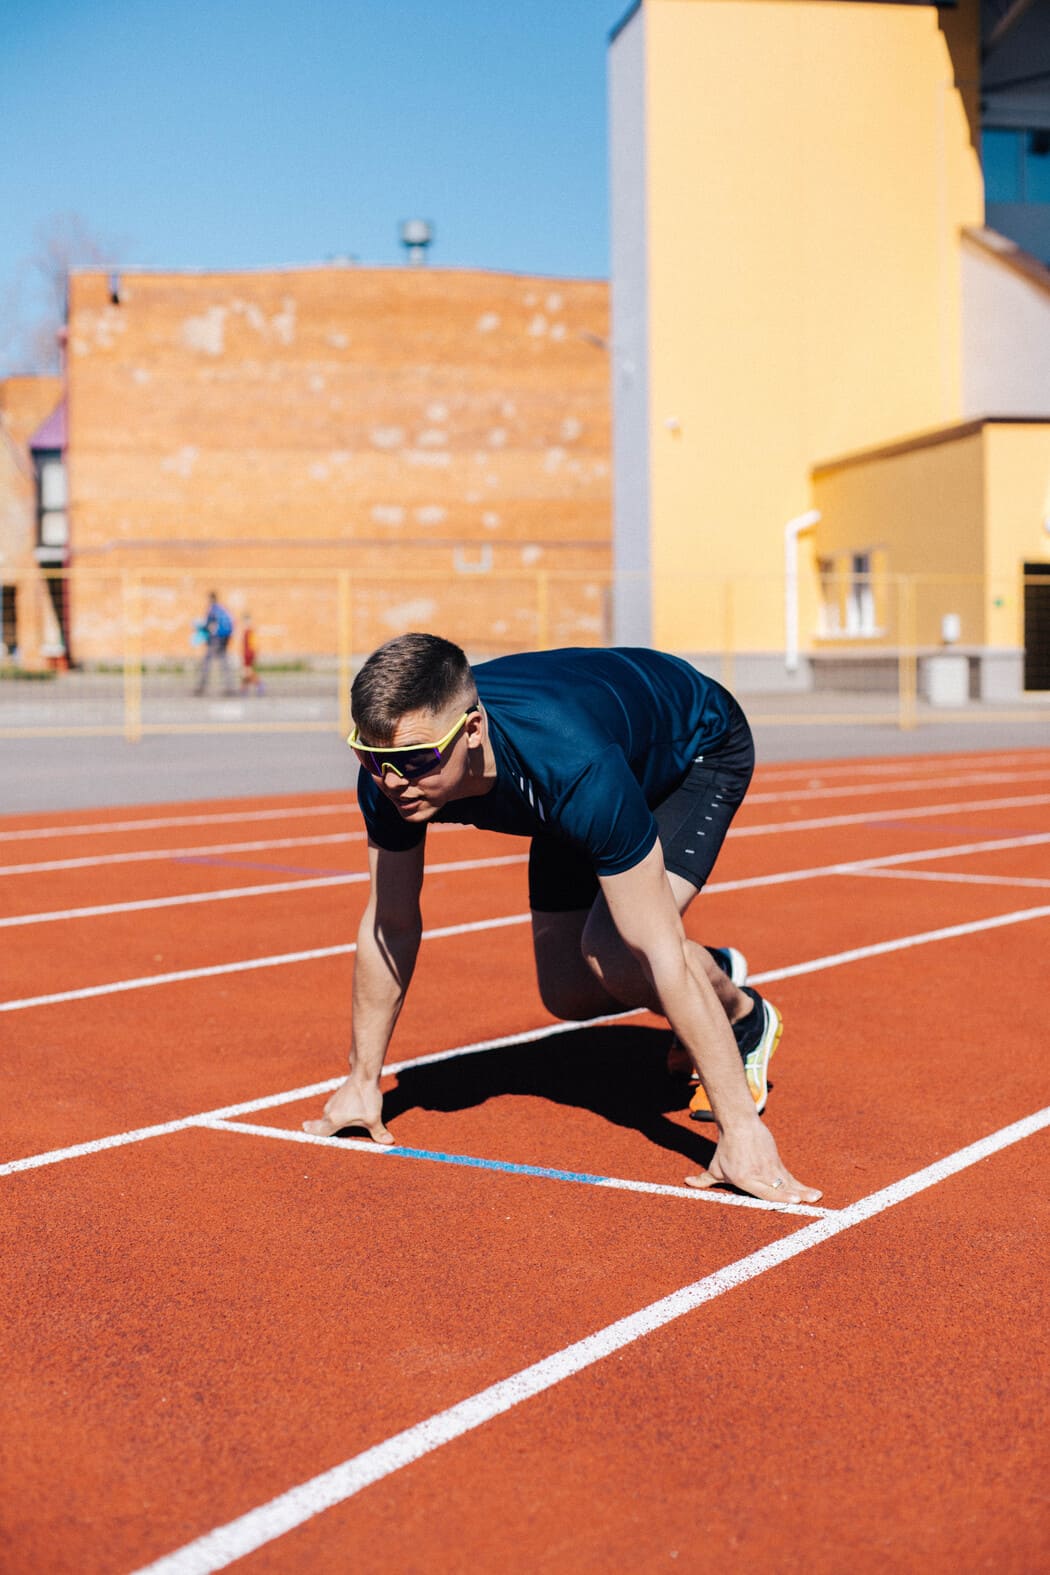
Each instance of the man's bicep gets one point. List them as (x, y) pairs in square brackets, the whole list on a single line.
[(642, 905)]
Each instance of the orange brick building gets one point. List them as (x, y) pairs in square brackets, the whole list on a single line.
[(431, 446), (26, 618)]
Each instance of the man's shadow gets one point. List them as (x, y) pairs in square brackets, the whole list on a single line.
[(618, 1071)]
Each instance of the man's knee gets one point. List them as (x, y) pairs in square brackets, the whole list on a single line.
[(570, 986), (573, 1000)]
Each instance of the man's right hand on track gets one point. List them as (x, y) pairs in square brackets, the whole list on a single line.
[(352, 1105)]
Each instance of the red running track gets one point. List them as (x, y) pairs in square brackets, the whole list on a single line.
[(234, 1346)]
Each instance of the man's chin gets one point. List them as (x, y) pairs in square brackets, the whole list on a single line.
[(416, 810)]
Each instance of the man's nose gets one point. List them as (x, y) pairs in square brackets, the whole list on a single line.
[(391, 775)]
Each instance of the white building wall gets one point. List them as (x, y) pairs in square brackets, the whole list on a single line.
[(1006, 331), (629, 362)]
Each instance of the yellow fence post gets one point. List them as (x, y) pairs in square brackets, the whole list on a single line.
[(131, 598), (543, 611), (728, 635), (345, 649), (907, 656)]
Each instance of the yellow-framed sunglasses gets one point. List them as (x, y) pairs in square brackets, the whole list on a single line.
[(410, 761)]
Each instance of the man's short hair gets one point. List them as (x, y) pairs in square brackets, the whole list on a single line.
[(414, 672)]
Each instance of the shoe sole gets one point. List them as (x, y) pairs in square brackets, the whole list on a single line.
[(756, 1066), (757, 1063)]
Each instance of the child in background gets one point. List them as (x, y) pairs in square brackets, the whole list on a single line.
[(249, 676)]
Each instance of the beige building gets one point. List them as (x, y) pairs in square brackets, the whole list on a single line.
[(828, 374)]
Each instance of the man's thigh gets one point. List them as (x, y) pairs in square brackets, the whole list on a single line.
[(568, 987)]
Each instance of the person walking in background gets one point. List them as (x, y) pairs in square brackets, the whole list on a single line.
[(250, 679), (217, 628)]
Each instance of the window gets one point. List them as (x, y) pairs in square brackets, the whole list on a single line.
[(1001, 156), (850, 596), (860, 603), (9, 612), (1037, 167), (52, 492), (1016, 165)]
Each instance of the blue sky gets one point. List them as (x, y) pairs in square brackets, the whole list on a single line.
[(248, 133)]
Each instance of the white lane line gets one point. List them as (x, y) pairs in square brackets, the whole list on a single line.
[(289, 1096), (544, 1172), (248, 965), (189, 854), (546, 1031), (875, 817), (813, 774), (94, 828), (885, 860), (147, 904), (881, 948), (918, 785), (954, 876), (853, 867), (249, 1532), (281, 959), (816, 771)]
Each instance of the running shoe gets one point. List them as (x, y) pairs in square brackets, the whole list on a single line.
[(731, 962), (756, 1060)]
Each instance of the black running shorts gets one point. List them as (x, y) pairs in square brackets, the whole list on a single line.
[(692, 823)]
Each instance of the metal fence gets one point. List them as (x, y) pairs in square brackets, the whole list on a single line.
[(113, 652)]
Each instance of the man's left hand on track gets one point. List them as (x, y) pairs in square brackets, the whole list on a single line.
[(751, 1163)]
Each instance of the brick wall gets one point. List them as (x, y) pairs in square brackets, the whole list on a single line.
[(441, 435)]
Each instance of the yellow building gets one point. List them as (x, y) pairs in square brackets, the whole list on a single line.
[(828, 374)]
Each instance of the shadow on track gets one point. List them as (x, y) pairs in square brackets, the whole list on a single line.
[(618, 1072)]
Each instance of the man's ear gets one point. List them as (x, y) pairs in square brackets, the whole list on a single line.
[(475, 728)]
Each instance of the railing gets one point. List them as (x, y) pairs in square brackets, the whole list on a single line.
[(111, 652)]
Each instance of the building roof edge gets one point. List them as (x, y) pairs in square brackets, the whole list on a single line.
[(1007, 252), (919, 440), (628, 16)]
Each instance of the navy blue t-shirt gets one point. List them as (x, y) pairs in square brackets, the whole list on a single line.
[(586, 743)]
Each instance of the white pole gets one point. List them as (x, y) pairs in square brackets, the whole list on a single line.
[(792, 531)]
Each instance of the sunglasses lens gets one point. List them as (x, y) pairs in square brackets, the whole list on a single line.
[(410, 764), (418, 764)]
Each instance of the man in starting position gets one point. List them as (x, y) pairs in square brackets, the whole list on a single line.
[(625, 768)]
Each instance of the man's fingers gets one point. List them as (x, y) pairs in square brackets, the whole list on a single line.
[(789, 1190), (797, 1191), (325, 1127)]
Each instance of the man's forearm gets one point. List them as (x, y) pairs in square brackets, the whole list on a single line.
[(702, 1028), (383, 969)]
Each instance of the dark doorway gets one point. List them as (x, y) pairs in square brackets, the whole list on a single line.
[(1037, 625), (9, 614)]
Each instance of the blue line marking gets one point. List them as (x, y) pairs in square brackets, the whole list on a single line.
[(497, 1164), (254, 864)]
